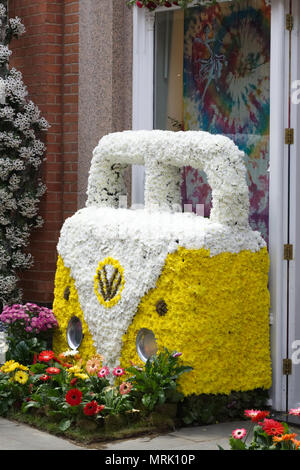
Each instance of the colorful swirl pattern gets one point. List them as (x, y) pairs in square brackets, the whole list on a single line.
[(226, 91)]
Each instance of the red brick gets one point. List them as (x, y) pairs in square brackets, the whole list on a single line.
[(47, 56)]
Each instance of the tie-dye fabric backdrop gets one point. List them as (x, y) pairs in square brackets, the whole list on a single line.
[(226, 91)]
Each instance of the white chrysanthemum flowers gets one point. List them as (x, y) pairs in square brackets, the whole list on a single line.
[(163, 153)]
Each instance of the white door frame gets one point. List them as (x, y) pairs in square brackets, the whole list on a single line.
[(143, 92), (294, 272), (278, 200)]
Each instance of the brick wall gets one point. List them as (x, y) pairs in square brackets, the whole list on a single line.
[(47, 56)]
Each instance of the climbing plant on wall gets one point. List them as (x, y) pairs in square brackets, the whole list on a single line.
[(21, 155)]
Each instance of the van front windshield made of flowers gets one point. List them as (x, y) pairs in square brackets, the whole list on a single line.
[(208, 272)]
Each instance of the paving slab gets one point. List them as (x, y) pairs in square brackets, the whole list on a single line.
[(15, 436), (190, 438), (18, 436)]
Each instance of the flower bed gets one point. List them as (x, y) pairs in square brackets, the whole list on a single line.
[(73, 397), (81, 397)]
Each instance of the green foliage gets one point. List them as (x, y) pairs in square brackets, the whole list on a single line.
[(114, 402), (23, 351), (156, 382), (209, 409)]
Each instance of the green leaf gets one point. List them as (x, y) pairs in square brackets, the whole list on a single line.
[(30, 404), (36, 398), (38, 368), (161, 397), (237, 444), (146, 400), (65, 424)]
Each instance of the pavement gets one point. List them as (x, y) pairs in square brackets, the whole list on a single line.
[(17, 436)]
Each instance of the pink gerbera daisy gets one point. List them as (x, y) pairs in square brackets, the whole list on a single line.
[(104, 372), (93, 365), (239, 433), (118, 371), (295, 411), (125, 388)]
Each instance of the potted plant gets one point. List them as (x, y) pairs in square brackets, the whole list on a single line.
[(29, 330)]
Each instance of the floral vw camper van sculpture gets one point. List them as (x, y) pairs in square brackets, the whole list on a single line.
[(130, 282)]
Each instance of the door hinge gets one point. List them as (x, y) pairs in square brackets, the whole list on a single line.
[(286, 366), (288, 252), (289, 136), (289, 22)]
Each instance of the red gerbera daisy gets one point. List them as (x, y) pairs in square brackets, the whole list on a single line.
[(74, 396), (272, 427), (52, 370), (46, 356), (45, 377), (256, 415), (91, 408)]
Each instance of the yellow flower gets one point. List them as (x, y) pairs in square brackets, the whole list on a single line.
[(217, 316), (11, 366), (21, 377), (74, 369), (64, 309), (21, 367), (81, 375)]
